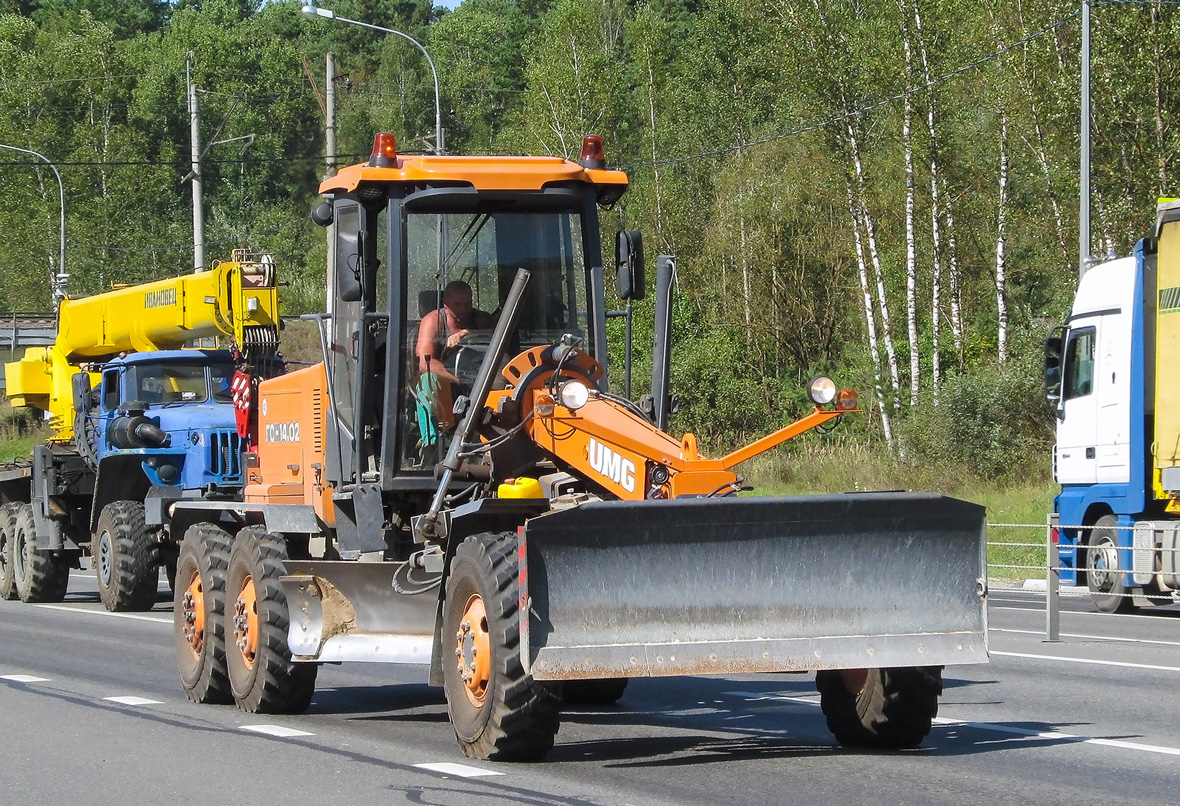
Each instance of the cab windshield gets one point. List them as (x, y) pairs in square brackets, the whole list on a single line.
[(164, 384)]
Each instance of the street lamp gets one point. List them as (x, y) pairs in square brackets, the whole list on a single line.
[(312, 10), (58, 281)]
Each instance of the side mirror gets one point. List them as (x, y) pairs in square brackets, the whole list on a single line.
[(629, 264), (321, 214), (1054, 348), (81, 390)]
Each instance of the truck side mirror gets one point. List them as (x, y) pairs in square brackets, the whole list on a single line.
[(1054, 347), (629, 264), (81, 390)]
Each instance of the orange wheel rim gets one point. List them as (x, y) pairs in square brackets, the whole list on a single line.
[(193, 613), (246, 622), (474, 650)]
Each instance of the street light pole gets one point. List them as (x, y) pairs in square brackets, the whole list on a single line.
[(62, 277), (310, 9)]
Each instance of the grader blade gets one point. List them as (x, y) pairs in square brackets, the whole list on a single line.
[(735, 585)]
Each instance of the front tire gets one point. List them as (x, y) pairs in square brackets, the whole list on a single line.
[(125, 558), (38, 575), (198, 607), (1105, 580), (263, 678), (7, 539), (498, 712), (886, 709)]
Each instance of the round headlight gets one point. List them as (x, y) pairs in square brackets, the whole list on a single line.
[(822, 390), (573, 395)]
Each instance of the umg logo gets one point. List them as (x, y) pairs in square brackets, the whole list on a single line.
[(610, 464), (282, 432)]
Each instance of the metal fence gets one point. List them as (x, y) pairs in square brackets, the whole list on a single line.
[(1043, 541)]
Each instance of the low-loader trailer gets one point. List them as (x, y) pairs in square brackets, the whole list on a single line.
[(540, 538)]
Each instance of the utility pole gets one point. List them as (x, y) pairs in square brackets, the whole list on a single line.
[(1084, 168), (330, 115), (198, 195)]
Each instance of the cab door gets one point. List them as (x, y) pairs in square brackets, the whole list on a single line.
[(1077, 413)]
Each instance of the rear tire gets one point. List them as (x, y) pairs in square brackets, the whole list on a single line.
[(607, 691), (894, 709), (124, 556), (1103, 577), (198, 607), (263, 678), (498, 712), (7, 538), (38, 575)]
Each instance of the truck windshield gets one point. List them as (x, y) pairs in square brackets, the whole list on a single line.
[(161, 384)]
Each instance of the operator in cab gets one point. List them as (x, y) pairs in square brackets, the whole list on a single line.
[(441, 335)]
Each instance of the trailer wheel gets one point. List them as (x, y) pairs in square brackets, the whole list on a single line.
[(198, 607), (594, 692), (1103, 575), (263, 678), (498, 712), (38, 575), (125, 558), (7, 539), (887, 709)]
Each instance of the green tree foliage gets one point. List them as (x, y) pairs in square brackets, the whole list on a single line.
[(748, 129)]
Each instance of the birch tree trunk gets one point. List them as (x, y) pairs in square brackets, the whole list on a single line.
[(935, 212), (875, 258), (911, 258), (870, 316)]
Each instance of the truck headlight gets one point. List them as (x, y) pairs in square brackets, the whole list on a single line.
[(821, 390)]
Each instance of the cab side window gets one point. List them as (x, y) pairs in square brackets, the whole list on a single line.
[(110, 390), (1079, 364)]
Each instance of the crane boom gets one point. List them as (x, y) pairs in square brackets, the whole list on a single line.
[(236, 299)]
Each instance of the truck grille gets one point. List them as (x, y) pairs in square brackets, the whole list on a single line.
[(225, 454)]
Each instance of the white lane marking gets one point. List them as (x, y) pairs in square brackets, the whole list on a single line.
[(1039, 734), (1090, 637), (1090, 661), (88, 612), (459, 770), (1067, 737), (276, 730), (133, 701), (23, 678)]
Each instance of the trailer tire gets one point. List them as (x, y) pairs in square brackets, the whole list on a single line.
[(8, 590), (497, 710), (607, 691), (38, 576), (1107, 589), (263, 678), (893, 710), (125, 558), (198, 607)]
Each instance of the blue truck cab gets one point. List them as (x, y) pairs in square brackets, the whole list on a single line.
[(165, 429)]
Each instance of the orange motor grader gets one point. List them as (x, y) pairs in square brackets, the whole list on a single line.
[(545, 539)]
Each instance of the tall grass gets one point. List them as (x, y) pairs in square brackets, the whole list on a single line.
[(1015, 551), (20, 430)]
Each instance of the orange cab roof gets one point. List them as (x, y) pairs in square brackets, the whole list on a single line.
[(483, 173)]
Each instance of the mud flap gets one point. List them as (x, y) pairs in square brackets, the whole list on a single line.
[(734, 585)]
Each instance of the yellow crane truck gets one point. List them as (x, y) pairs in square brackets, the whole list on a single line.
[(540, 538), (137, 421)]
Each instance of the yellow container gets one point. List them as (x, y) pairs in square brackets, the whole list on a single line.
[(521, 488)]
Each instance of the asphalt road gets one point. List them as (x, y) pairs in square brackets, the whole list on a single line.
[(91, 712)]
